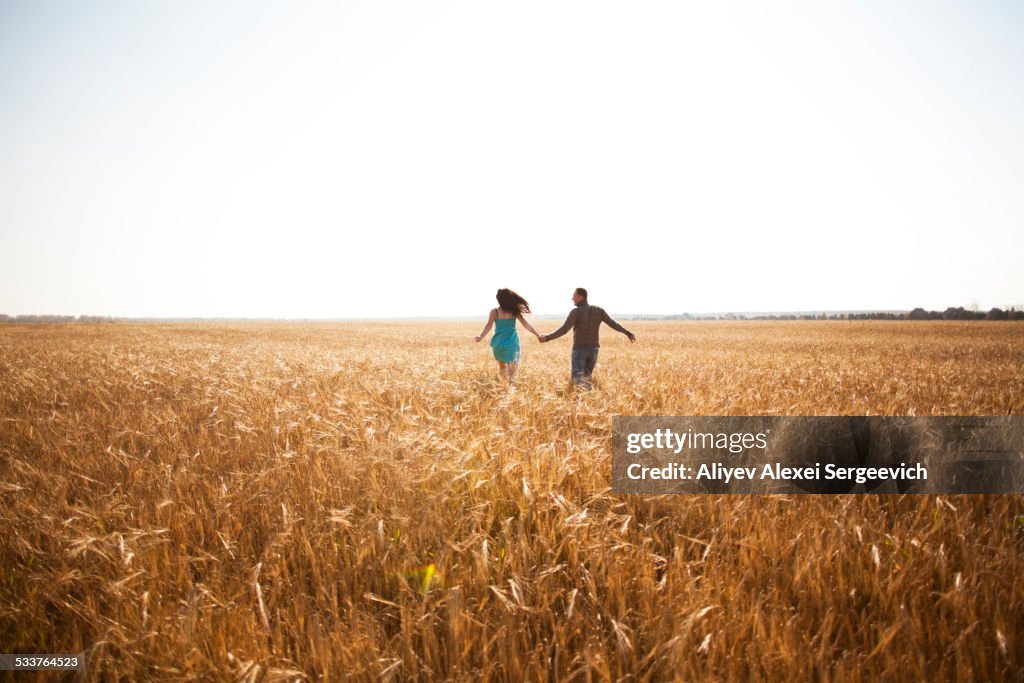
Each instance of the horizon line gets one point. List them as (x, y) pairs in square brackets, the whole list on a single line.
[(553, 316)]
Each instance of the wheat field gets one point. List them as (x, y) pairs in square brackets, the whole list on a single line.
[(270, 502)]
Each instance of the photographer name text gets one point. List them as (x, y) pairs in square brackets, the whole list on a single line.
[(717, 471)]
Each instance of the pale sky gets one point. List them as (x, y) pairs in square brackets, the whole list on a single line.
[(348, 159)]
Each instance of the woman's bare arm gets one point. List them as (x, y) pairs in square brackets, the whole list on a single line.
[(487, 327), (528, 326)]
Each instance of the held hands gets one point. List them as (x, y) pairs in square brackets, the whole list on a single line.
[(540, 337)]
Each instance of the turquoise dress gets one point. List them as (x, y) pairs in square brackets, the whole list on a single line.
[(505, 342)]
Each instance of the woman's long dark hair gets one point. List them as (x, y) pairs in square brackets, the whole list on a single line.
[(512, 303)]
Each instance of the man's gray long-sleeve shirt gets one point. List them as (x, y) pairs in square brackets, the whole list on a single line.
[(585, 321)]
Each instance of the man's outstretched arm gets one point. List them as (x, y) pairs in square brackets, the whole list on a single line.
[(566, 326), (616, 326)]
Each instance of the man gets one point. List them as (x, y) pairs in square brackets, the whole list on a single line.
[(585, 321)]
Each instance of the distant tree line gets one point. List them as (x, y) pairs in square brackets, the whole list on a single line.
[(56, 319), (958, 313)]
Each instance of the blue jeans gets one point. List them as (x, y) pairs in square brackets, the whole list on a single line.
[(584, 358)]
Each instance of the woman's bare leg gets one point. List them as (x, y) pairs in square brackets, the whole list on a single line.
[(503, 369), (513, 368)]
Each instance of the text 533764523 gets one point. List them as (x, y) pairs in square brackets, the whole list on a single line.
[(27, 662)]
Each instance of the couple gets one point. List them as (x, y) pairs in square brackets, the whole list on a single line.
[(584, 321)]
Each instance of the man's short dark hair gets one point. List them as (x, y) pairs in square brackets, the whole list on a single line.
[(582, 292)]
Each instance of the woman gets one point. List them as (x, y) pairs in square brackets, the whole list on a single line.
[(505, 342)]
